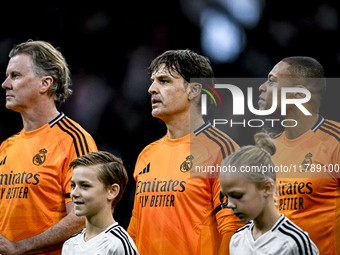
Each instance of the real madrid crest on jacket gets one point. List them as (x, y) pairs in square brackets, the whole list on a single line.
[(186, 205), (40, 157), (34, 176), (187, 164), (307, 162)]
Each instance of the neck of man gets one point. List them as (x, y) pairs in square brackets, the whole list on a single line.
[(38, 116), (183, 124), (303, 123)]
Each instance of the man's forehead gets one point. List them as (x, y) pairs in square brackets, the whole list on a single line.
[(281, 70), (162, 70), (21, 60)]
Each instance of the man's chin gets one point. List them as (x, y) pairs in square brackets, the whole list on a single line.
[(159, 115), (156, 112), (12, 107), (262, 105)]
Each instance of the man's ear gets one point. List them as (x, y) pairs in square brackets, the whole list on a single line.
[(195, 90), (300, 95), (46, 83)]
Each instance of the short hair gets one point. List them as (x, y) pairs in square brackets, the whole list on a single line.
[(110, 170), (186, 63), (258, 155), (309, 69), (47, 61)]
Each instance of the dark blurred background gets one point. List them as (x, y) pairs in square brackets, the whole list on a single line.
[(109, 45)]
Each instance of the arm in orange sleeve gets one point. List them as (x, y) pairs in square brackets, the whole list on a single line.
[(132, 228), (227, 222), (224, 247), (227, 226)]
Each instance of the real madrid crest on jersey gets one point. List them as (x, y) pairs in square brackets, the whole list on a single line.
[(187, 164), (307, 162), (40, 158)]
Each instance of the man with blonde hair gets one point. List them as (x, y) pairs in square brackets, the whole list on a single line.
[(36, 210)]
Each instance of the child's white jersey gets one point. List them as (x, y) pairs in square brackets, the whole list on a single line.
[(114, 240), (284, 238)]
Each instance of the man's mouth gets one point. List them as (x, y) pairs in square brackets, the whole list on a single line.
[(155, 101), (261, 99)]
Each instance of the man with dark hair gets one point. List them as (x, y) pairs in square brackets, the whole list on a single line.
[(179, 62), (174, 212), (309, 150)]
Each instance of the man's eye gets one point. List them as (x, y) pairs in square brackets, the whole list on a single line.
[(15, 75)]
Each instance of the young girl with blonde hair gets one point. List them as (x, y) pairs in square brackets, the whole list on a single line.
[(250, 187)]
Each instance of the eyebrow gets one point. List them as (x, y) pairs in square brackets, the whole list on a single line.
[(160, 76), (8, 72)]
